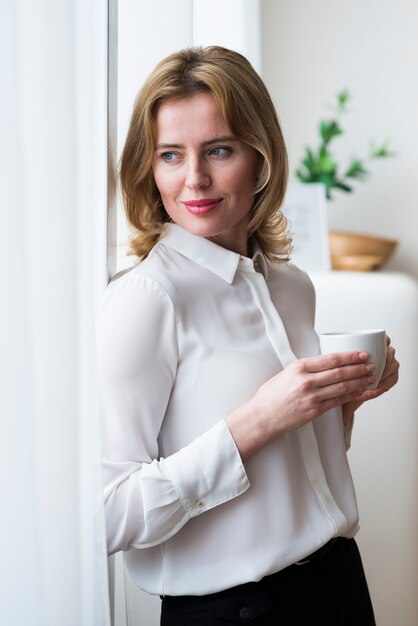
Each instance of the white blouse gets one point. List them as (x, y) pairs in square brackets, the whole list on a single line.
[(184, 338)]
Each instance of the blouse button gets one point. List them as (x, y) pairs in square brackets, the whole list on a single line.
[(245, 613), (200, 503)]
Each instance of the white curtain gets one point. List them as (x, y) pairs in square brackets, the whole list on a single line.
[(53, 129)]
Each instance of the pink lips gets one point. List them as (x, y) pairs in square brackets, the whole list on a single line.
[(202, 205)]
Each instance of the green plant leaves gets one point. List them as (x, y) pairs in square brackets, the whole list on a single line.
[(326, 161), (343, 186), (342, 98), (321, 166), (382, 151), (329, 130), (310, 162), (356, 169)]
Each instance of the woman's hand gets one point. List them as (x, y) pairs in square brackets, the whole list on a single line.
[(388, 380), (297, 395)]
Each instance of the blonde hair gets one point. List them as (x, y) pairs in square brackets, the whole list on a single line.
[(248, 110)]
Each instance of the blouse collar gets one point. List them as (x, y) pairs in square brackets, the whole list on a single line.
[(210, 255)]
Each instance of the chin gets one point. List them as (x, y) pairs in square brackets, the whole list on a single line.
[(199, 227)]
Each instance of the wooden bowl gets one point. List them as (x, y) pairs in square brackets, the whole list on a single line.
[(351, 251)]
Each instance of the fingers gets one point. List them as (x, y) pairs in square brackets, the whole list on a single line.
[(385, 384), (345, 389), (331, 403), (390, 378), (330, 361), (326, 381), (340, 374), (391, 366), (336, 376), (390, 359)]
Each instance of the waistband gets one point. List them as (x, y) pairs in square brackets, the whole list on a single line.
[(318, 554), (269, 581)]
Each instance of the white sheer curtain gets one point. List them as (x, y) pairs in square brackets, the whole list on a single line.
[(53, 80)]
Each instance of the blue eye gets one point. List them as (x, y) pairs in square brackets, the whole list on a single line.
[(220, 151), (169, 156)]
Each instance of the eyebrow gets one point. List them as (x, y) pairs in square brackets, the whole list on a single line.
[(221, 139)]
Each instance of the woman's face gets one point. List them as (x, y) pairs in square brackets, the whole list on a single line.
[(206, 177)]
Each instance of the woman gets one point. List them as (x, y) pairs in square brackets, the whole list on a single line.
[(224, 433)]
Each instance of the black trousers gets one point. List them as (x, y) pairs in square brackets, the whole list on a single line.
[(330, 591)]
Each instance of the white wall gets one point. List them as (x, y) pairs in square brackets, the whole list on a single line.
[(313, 49), (384, 451)]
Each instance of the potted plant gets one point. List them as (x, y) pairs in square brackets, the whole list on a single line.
[(348, 250)]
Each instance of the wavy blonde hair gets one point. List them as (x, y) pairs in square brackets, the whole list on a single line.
[(248, 110)]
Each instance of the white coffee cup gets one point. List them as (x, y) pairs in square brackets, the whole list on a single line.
[(372, 341)]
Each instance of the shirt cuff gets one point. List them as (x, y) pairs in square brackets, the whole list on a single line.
[(207, 472)]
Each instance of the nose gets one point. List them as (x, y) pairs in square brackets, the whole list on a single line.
[(197, 174)]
